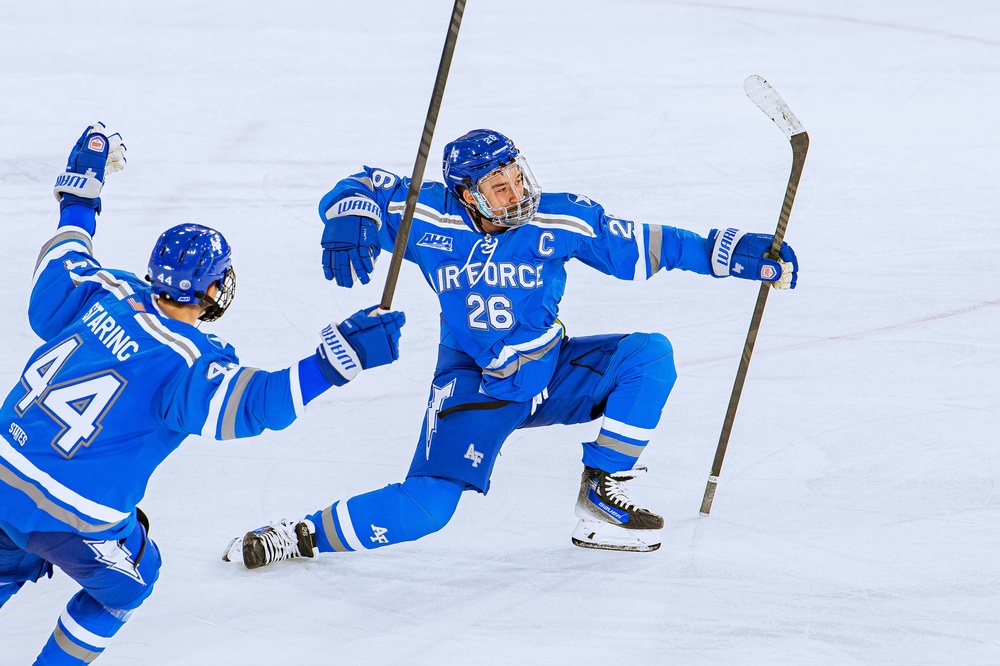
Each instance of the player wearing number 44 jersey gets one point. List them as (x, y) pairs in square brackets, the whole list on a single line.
[(494, 249), (123, 376)]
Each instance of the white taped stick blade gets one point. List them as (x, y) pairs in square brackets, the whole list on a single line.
[(767, 98)]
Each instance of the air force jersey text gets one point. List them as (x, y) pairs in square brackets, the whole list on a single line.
[(500, 293)]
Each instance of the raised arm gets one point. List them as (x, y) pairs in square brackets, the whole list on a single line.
[(66, 272)]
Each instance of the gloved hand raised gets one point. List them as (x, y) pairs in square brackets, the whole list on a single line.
[(350, 240), (96, 153), (367, 339), (743, 255)]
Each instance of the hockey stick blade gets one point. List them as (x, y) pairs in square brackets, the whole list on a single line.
[(769, 101)]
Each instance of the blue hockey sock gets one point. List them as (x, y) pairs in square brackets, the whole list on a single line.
[(399, 512), (642, 372), (82, 632)]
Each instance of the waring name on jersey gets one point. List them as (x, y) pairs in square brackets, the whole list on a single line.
[(109, 332)]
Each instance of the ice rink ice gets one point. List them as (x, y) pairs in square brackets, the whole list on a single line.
[(857, 519)]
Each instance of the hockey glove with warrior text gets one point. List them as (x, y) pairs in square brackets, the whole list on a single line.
[(744, 255), (350, 240), (366, 339), (96, 152)]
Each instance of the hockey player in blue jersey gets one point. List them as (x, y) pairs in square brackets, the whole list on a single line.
[(494, 248), (123, 376)]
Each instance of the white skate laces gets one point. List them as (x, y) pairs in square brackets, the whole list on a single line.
[(614, 487), (277, 541)]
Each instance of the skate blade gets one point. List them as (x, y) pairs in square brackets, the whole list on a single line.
[(605, 536), (237, 545)]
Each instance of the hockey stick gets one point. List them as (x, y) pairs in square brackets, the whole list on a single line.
[(770, 102), (425, 147)]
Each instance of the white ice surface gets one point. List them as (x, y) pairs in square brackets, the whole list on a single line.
[(857, 519)]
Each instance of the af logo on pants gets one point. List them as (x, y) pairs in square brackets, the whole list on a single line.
[(475, 456)]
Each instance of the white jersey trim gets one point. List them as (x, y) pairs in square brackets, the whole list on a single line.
[(511, 351), (119, 288), (630, 431), (57, 490), (565, 222), (295, 387), (213, 421), (184, 347), (55, 253), (430, 216), (347, 526), (639, 234), (82, 633)]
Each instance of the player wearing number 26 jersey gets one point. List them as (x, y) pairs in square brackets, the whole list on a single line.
[(494, 248), (122, 377)]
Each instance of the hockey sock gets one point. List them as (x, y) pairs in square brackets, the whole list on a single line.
[(82, 632), (642, 369), (399, 512)]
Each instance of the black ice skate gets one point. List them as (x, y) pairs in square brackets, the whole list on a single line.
[(609, 519), (284, 540)]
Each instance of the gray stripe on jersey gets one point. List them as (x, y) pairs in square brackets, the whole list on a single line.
[(366, 181), (115, 286), (179, 344), (330, 527), (522, 359), (67, 645), (429, 215), (574, 223), (655, 247), (228, 430), (62, 238), (619, 446), (48, 506)]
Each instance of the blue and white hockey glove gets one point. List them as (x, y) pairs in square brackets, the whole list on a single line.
[(350, 240), (96, 153), (743, 255), (366, 339)]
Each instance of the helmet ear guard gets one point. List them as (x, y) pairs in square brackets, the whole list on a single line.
[(213, 308)]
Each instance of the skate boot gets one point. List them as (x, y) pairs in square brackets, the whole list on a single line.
[(284, 540), (609, 519)]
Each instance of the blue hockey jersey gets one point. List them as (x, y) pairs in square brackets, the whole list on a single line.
[(115, 388), (500, 293)]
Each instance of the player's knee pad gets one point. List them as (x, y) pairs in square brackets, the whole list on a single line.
[(427, 503), (650, 353)]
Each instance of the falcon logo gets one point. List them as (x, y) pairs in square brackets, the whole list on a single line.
[(438, 396), (96, 144), (116, 557)]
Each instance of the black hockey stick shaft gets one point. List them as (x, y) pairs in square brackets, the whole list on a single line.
[(800, 145), (425, 147)]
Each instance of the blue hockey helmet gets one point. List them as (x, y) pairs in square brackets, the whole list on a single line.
[(488, 166), (186, 261)]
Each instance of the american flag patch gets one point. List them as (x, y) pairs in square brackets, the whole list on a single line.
[(136, 305)]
